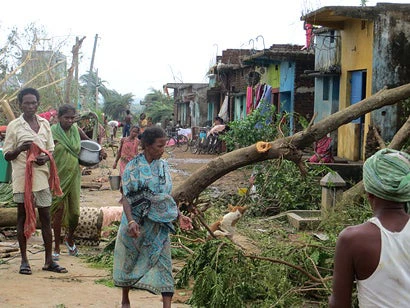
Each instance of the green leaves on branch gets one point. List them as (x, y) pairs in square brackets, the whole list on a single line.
[(256, 127)]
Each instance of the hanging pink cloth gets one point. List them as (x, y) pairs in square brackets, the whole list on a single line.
[(53, 180), (249, 100)]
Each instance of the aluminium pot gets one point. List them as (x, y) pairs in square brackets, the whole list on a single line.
[(90, 153), (115, 182)]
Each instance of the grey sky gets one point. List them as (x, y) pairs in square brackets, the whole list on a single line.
[(144, 44)]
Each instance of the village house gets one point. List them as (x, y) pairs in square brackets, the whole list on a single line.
[(281, 69), (241, 77), (190, 103), (326, 74), (228, 80), (358, 52)]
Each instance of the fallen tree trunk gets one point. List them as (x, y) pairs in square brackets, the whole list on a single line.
[(8, 217), (288, 147)]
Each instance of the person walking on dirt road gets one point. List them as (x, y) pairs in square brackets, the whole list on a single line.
[(29, 145), (127, 150), (126, 130), (142, 254), (65, 209)]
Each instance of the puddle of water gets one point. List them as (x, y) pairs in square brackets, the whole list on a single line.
[(173, 170), (190, 160)]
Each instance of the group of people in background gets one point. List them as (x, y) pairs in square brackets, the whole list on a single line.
[(46, 157), (113, 125)]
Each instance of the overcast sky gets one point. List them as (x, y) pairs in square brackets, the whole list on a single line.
[(146, 44)]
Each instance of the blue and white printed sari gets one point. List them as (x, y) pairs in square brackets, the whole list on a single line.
[(145, 262)]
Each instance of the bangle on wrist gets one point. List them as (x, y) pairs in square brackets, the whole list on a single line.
[(131, 221)]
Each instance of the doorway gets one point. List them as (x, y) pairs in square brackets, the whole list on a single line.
[(357, 94)]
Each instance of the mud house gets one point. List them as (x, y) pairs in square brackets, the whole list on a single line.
[(190, 103), (237, 80), (227, 85), (363, 49), (242, 75)]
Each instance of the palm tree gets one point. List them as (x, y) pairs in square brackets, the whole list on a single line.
[(115, 104), (89, 83), (158, 105)]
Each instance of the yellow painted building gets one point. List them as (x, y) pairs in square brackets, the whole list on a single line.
[(356, 56), (368, 35)]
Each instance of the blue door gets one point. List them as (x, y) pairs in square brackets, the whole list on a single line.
[(358, 90), (358, 93)]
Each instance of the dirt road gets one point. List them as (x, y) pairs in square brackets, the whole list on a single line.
[(78, 287)]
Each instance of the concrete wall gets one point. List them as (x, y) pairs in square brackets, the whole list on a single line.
[(357, 41), (272, 75), (325, 107), (391, 65), (327, 50)]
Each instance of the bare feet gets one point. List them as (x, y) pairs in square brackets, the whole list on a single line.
[(125, 305)]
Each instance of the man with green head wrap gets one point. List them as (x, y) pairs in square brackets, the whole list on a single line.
[(377, 253)]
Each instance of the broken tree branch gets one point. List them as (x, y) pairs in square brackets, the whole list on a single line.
[(310, 276), (379, 138)]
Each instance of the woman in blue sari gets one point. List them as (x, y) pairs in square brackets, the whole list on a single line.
[(142, 255)]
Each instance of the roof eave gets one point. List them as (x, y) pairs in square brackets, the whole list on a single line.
[(335, 16)]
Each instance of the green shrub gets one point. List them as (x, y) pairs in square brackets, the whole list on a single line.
[(256, 127)]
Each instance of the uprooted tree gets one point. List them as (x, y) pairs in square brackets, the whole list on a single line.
[(291, 147)]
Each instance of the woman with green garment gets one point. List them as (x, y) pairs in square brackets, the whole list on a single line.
[(65, 210)]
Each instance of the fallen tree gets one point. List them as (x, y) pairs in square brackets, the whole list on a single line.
[(290, 147)]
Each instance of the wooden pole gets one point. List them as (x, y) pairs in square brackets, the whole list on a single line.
[(75, 62), (7, 110), (96, 90), (93, 55)]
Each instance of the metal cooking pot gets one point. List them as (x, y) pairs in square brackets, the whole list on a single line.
[(90, 153), (115, 182)]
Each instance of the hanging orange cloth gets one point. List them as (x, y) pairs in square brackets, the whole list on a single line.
[(53, 180)]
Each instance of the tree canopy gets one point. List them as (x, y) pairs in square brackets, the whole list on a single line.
[(158, 106)]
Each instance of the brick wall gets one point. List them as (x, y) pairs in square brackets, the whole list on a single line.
[(231, 56), (304, 89)]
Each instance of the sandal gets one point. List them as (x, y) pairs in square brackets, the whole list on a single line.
[(25, 269), (54, 267), (72, 251)]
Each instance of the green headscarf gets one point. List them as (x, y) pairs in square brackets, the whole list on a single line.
[(386, 175)]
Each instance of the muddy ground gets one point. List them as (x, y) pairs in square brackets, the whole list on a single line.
[(78, 288)]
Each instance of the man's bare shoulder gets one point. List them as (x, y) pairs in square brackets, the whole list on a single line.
[(358, 233)]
